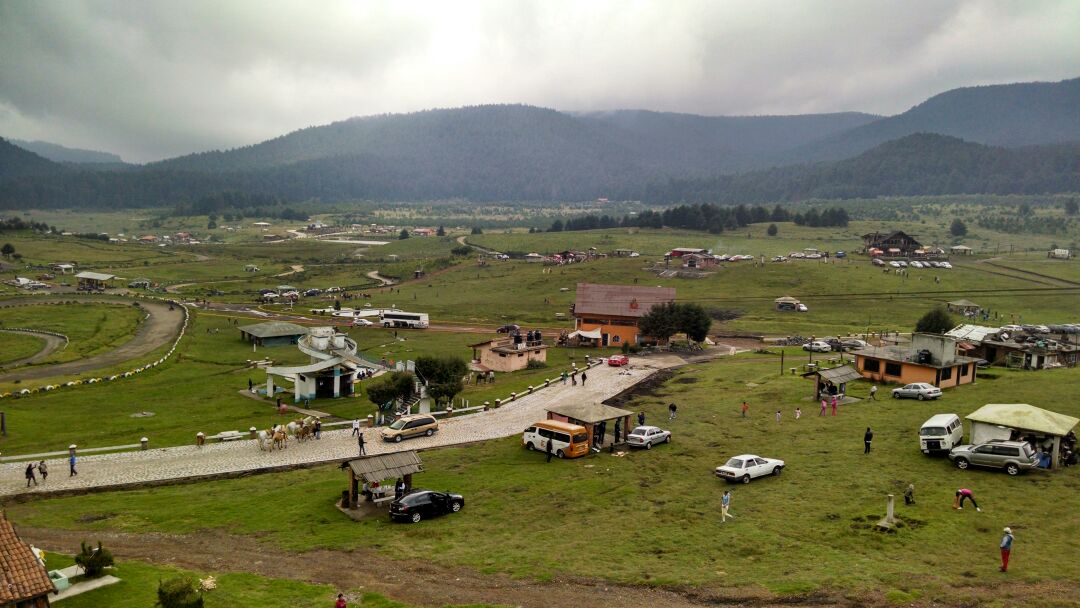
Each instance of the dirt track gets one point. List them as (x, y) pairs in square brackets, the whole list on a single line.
[(158, 330), (52, 344)]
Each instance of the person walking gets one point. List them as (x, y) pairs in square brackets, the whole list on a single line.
[(1006, 549), (251, 385), (965, 494), (356, 427), (873, 393), (725, 504), (798, 413), (43, 469), (745, 408), (867, 438), (671, 408), (548, 450), (573, 379), (777, 416), (909, 494), (71, 465), (641, 418), (834, 405), (30, 477), (399, 488), (582, 378), (360, 442), (340, 603), (318, 428), (823, 406), (564, 377)]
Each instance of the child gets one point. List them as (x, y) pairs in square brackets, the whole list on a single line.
[(798, 413), (777, 416)]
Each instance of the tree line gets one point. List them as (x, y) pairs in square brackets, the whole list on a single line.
[(707, 216)]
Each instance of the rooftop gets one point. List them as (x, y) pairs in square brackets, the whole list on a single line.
[(1024, 417), (386, 466), (95, 276), (903, 355), (620, 300), (22, 576), (589, 413), (274, 329)]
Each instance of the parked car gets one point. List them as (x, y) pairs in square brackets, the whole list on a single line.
[(917, 390), (1013, 456), (946, 265), (941, 433), (854, 344), (748, 466), (817, 346), (410, 426), (618, 360), (916, 264), (894, 264), (509, 328), (779, 258), (418, 504), (312, 292), (358, 322), (841, 254), (647, 436), (800, 307)]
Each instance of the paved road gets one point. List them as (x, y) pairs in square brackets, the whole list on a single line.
[(160, 329), (238, 456), (52, 344)]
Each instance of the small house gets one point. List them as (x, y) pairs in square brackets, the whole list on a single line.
[(424, 232), (373, 471), (609, 314), (964, 307), (595, 417), (700, 260), (1059, 254), (1022, 422), (272, 333), (961, 250), (895, 243), (94, 280), (787, 303), (679, 252), (63, 268), (508, 354), (147, 238), (929, 358), (24, 582), (534, 257)]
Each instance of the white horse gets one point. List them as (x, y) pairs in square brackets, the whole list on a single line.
[(265, 439)]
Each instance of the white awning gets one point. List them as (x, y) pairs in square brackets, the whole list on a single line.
[(592, 334)]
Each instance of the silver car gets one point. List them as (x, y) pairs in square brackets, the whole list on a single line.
[(918, 390), (647, 436), (1013, 456)]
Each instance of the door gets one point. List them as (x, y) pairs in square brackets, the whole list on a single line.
[(760, 466), (604, 338), (982, 455)]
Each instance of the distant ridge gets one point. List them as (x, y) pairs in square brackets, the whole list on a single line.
[(63, 154)]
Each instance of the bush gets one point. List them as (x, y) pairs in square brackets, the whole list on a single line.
[(535, 364), (178, 592), (625, 348), (93, 561)]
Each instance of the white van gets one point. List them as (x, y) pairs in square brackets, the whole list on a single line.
[(941, 433)]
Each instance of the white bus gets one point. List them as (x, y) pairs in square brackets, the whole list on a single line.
[(397, 318)]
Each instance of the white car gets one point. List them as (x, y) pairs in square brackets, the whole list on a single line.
[(918, 390), (946, 265), (748, 466), (817, 346), (362, 323), (894, 264), (916, 264), (647, 436), (801, 307)]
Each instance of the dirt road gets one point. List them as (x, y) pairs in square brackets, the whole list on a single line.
[(159, 329)]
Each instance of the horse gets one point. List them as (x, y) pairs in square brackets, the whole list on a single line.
[(280, 440), (265, 440)]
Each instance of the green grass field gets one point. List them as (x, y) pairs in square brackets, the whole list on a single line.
[(91, 328), (653, 517), (18, 346)]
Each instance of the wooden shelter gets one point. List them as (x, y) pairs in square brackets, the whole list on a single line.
[(94, 280), (374, 470), (833, 381), (24, 582), (593, 416), (964, 307)]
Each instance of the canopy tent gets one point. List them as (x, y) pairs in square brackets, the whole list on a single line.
[(963, 305), (989, 421), (593, 334), (593, 416), (376, 469)]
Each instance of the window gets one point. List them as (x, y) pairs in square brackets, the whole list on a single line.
[(946, 373), (545, 433), (1004, 450), (595, 321), (871, 365), (964, 370), (615, 339), (531, 429), (581, 438), (563, 437), (892, 369)]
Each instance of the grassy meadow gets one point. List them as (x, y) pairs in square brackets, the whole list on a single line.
[(18, 346), (91, 328)]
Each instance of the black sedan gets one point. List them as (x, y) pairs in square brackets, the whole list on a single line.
[(510, 328), (419, 504)]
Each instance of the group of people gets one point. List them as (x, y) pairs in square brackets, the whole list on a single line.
[(33, 469)]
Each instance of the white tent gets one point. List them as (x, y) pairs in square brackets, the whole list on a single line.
[(998, 420), (591, 335)]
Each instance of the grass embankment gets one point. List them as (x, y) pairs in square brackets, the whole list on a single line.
[(653, 517), (91, 329), (18, 346)]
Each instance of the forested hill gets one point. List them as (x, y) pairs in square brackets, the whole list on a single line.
[(63, 154), (1009, 115), (918, 164), (16, 162)]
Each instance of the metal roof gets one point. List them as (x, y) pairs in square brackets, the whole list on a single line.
[(786, 299), (620, 300), (589, 413), (95, 276), (1024, 417), (22, 576), (838, 375), (974, 333), (274, 329), (964, 304), (386, 466)]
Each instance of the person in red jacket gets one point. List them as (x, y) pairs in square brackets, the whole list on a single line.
[(965, 494), (340, 603)]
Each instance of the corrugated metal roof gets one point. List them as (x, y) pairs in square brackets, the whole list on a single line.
[(95, 276), (964, 303), (22, 576), (838, 375), (589, 413), (274, 329), (975, 333), (620, 300), (1024, 417), (386, 466)]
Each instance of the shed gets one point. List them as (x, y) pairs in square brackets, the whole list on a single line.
[(272, 333), (833, 381), (786, 303), (1015, 420), (594, 417), (94, 280), (964, 306), (24, 582), (376, 469), (961, 250)]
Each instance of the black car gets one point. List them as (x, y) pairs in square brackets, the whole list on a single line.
[(508, 329), (419, 504)]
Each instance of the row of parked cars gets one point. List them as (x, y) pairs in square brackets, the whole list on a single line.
[(826, 345), (912, 264)]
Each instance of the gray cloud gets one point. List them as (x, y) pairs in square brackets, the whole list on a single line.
[(155, 78)]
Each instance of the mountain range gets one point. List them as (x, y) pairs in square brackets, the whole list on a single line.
[(1004, 138)]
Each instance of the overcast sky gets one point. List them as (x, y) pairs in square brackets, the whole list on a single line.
[(153, 79)]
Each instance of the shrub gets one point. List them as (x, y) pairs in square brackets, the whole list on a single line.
[(93, 561), (625, 348), (178, 592), (535, 364)]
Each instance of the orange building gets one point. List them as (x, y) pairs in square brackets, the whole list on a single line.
[(930, 358), (24, 582), (609, 314)]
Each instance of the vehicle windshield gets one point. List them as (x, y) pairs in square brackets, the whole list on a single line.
[(932, 431), (734, 463), (399, 424), (581, 438)]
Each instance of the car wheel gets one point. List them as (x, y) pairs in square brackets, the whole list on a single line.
[(776, 471), (397, 438), (746, 479), (455, 506), (648, 446), (920, 396), (962, 463), (429, 432), (529, 446), (415, 517), (559, 454), (1012, 469), (667, 439), (895, 395)]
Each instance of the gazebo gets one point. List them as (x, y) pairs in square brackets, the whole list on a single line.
[(833, 381), (965, 307), (376, 469), (594, 417)]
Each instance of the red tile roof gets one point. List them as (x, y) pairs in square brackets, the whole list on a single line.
[(619, 300), (22, 576)]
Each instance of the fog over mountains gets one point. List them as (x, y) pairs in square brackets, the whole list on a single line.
[(1016, 138)]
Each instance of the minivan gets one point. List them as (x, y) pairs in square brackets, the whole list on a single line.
[(567, 440), (410, 426), (941, 433)]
